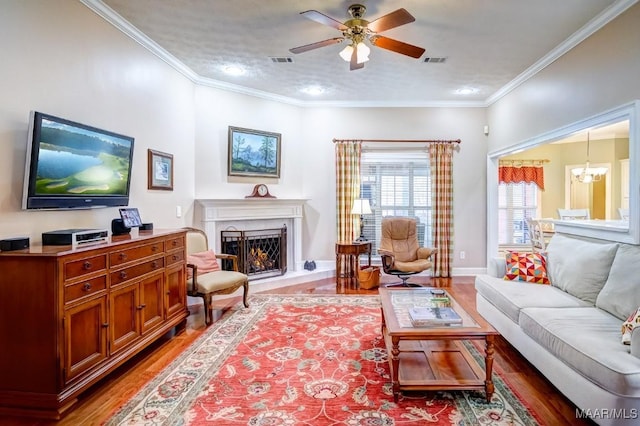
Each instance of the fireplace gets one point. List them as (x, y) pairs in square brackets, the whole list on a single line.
[(261, 253), (216, 215)]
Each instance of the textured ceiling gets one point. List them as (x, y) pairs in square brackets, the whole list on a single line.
[(488, 45)]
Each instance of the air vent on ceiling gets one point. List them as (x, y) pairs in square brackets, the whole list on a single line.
[(280, 60), (435, 60)]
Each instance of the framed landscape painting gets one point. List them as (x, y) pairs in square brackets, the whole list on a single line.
[(253, 153)]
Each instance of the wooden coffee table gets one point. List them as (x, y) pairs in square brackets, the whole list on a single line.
[(435, 357)]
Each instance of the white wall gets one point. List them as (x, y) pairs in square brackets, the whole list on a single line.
[(322, 125), (60, 58), (216, 110), (600, 73), (597, 75), (308, 168)]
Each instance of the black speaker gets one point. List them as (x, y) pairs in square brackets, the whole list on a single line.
[(146, 227), (17, 243), (118, 228)]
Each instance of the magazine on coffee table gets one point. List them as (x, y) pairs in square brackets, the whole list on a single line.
[(432, 316)]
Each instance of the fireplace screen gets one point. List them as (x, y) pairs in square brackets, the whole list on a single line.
[(261, 253)]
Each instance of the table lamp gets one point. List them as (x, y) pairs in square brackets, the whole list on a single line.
[(361, 207)]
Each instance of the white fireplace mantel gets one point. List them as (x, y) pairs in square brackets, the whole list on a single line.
[(214, 215)]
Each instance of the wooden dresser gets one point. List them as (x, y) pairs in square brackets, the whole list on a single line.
[(70, 316)]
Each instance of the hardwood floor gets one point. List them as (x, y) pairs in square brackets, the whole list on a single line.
[(97, 405)]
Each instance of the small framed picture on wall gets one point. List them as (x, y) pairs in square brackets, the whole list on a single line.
[(160, 170)]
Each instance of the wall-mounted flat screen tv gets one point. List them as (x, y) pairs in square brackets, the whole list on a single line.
[(75, 166)]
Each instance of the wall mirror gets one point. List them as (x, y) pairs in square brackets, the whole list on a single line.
[(586, 166)]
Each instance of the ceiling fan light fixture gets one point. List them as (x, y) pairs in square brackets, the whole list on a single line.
[(346, 53), (362, 53)]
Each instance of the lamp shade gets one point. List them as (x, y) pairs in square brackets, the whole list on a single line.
[(346, 53), (361, 206), (362, 52)]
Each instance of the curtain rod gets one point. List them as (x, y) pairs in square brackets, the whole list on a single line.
[(399, 140), (522, 162)]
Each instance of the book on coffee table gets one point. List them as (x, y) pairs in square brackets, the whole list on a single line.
[(432, 316)]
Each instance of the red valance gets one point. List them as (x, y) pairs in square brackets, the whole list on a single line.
[(527, 174)]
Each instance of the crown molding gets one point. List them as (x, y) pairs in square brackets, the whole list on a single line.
[(576, 38), (588, 29), (109, 15)]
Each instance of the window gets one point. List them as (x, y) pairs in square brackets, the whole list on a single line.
[(517, 202), (397, 183)]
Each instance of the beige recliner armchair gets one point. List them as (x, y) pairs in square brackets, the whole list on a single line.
[(400, 251)]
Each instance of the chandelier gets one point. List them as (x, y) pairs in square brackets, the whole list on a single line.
[(588, 174)]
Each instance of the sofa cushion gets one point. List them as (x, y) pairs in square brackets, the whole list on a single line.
[(510, 297), (579, 267), (528, 267), (620, 295), (588, 340)]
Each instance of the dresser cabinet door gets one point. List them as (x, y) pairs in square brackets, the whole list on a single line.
[(85, 329), (124, 317), (175, 290), (152, 301)]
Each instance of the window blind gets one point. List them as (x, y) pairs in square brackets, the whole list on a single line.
[(517, 202), (397, 183)]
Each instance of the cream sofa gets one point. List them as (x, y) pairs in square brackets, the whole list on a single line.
[(571, 330)]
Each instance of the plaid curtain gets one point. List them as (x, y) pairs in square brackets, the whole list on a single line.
[(441, 162), (348, 155)]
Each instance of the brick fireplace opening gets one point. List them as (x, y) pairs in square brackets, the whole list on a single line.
[(261, 253)]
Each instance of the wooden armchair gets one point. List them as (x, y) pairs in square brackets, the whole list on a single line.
[(204, 275), (400, 251)]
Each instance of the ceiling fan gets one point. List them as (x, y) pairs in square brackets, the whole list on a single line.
[(356, 30)]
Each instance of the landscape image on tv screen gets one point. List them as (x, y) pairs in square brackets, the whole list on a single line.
[(78, 161)]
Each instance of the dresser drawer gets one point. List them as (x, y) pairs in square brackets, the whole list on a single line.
[(174, 243), (134, 271), (84, 288), (175, 257), (88, 265), (121, 257)]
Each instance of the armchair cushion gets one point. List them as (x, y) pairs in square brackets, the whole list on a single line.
[(400, 238), (415, 266), (205, 262), (425, 252), (221, 280)]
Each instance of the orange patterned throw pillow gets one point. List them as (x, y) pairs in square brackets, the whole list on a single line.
[(206, 261), (528, 267), (627, 327)]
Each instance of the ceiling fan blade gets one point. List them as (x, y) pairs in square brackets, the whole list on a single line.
[(307, 47), (391, 20), (323, 19), (397, 46), (354, 65)]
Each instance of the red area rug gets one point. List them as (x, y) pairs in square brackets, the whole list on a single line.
[(303, 360)]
